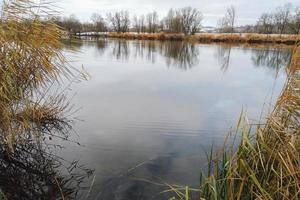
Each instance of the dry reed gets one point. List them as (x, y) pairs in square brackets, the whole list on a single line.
[(212, 37)]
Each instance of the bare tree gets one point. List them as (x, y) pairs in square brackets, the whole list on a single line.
[(265, 24), (185, 20), (284, 20), (190, 20), (295, 22), (99, 22), (281, 17), (87, 27), (172, 22), (152, 22), (71, 24), (139, 24), (227, 23), (119, 21), (143, 23), (136, 24)]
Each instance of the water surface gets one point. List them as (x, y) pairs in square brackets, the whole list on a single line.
[(151, 109)]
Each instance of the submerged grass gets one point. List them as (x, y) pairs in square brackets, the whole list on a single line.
[(250, 38), (265, 164)]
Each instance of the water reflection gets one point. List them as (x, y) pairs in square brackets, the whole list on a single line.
[(32, 172), (223, 54), (177, 54), (152, 109), (142, 182), (30, 167), (146, 49), (273, 59), (101, 46), (183, 55), (76, 44), (120, 50)]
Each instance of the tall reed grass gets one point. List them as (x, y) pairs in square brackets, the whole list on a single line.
[(30, 60), (265, 164)]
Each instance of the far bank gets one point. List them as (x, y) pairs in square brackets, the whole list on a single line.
[(249, 38)]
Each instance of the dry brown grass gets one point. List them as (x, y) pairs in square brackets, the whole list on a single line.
[(30, 60), (211, 37)]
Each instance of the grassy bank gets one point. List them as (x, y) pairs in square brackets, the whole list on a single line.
[(212, 37), (265, 164)]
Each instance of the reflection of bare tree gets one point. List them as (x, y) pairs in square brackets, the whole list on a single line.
[(32, 172), (223, 55), (151, 51), (120, 49), (76, 44), (139, 49), (146, 49), (273, 59), (181, 54), (72, 44), (101, 46)]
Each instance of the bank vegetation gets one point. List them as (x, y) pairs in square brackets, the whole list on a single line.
[(250, 38), (31, 116)]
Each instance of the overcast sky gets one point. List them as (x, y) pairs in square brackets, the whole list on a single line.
[(247, 10)]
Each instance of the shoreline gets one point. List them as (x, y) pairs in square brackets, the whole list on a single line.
[(236, 38)]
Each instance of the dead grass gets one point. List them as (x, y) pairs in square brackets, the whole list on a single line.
[(31, 60), (211, 37)]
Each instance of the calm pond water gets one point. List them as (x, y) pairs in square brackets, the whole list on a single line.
[(151, 109)]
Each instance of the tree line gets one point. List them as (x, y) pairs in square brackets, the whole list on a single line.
[(187, 20), (285, 20)]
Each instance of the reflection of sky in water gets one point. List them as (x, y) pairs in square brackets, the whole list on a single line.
[(146, 100)]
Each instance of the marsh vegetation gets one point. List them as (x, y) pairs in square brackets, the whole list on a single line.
[(31, 61)]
